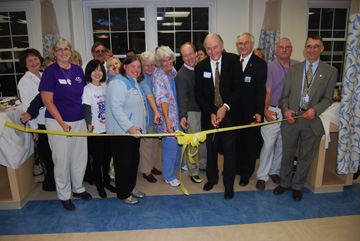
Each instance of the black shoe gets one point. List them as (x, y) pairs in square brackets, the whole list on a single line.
[(110, 188), (68, 205), (192, 178), (209, 185), (101, 192), (244, 182), (49, 189), (297, 195), (229, 193), (150, 178), (84, 195), (156, 171), (280, 190)]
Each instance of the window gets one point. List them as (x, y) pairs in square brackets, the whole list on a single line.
[(143, 26), (331, 24), (13, 39), (179, 25), (119, 29)]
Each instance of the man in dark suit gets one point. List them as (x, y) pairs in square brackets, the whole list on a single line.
[(218, 92), (252, 107), (308, 91)]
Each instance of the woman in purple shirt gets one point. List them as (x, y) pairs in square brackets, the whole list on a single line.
[(61, 87)]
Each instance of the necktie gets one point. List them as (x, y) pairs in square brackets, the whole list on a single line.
[(218, 99), (307, 87), (241, 62)]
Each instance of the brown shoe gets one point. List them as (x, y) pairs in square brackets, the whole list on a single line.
[(260, 184), (275, 178), (297, 195), (150, 178), (280, 190), (156, 171)]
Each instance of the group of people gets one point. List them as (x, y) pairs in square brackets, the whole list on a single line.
[(145, 94)]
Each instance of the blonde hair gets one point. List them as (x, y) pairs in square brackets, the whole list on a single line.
[(76, 57), (60, 41), (109, 60)]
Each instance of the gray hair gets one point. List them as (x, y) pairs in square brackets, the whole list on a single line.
[(147, 57), (245, 33), (163, 51), (211, 35), (60, 41)]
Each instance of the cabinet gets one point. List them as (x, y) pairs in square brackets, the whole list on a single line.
[(322, 177), (16, 185)]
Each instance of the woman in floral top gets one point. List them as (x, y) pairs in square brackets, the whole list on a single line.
[(165, 96)]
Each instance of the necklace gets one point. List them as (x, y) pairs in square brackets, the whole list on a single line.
[(67, 74)]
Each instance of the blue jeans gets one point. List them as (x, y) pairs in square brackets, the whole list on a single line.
[(170, 157)]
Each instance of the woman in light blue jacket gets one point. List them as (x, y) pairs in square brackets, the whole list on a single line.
[(126, 114)]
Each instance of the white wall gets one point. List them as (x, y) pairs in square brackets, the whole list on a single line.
[(233, 17)]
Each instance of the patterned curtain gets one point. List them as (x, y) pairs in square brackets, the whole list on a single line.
[(349, 132), (50, 29), (270, 31)]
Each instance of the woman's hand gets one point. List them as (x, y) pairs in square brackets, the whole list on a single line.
[(90, 128), (169, 126), (157, 118), (133, 130), (66, 127), (35, 136), (25, 117)]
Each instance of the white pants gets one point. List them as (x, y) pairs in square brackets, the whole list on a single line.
[(270, 156), (70, 158)]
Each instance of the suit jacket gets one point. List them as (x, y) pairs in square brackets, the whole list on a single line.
[(230, 88), (253, 99), (321, 93)]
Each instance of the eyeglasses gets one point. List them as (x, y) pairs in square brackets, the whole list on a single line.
[(100, 51), (316, 46), (246, 43), (62, 50), (284, 47)]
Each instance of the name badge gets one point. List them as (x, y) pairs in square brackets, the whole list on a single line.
[(248, 79), (63, 81), (207, 75), (306, 98), (135, 92)]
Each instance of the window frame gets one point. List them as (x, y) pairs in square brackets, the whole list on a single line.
[(17, 7), (333, 5), (150, 12)]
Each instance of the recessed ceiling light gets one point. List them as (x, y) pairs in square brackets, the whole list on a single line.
[(176, 14)]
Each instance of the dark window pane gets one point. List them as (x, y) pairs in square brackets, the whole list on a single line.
[(6, 55), (184, 21), (4, 24), (166, 39), (21, 42), (119, 43), (340, 18), (118, 19), (199, 39), (6, 68), (327, 18), (339, 66), (8, 85), (314, 18), (325, 57), (327, 45), (164, 23), (339, 34), (312, 32), (339, 46), (200, 18), (5, 42), (18, 23), (134, 15), (338, 57), (326, 34), (137, 42), (102, 38), (100, 18), (182, 37), (19, 69)]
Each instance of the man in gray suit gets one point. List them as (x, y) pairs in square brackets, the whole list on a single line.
[(308, 91)]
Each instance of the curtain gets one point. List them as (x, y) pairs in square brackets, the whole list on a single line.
[(270, 31), (50, 29), (349, 132)]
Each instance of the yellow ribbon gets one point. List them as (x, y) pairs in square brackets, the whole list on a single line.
[(184, 139)]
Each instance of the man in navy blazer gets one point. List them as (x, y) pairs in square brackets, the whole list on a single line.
[(227, 114), (252, 107), (309, 103)]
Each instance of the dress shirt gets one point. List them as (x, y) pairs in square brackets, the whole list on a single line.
[(314, 67), (246, 60)]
